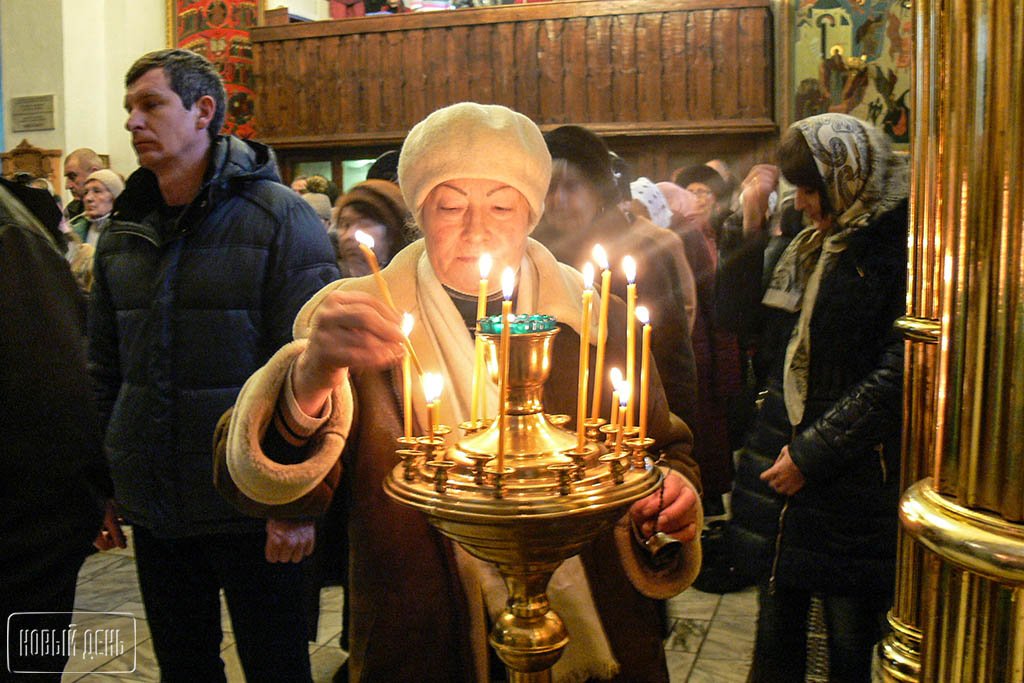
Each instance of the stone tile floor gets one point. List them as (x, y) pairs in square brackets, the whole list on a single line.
[(712, 636)]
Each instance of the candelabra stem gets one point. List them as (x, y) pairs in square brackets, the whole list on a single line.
[(528, 636)]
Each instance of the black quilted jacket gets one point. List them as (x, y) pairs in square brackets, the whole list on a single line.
[(180, 318), (838, 533)]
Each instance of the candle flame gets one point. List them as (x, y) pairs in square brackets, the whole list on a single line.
[(624, 390), (588, 275), (485, 264), (643, 315), (629, 268), (407, 323), (600, 256), (616, 378), (433, 383), (508, 283), (363, 238)]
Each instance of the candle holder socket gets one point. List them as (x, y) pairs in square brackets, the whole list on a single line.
[(592, 425), (579, 459), (498, 479), (610, 431), (440, 468), (638, 451), (559, 420), (616, 463), (409, 456), (565, 473), (472, 426)]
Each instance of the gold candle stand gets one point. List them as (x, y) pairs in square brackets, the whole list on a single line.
[(550, 501)]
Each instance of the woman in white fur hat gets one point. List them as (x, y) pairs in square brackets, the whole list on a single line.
[(475, 177), (100, 190)]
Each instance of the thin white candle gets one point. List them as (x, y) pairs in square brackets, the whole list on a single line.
[(508, 283), (625, 393), (615, 377), (629, 269), (407, 323), (477, 398), (645, 366), (433, 384), (601, 258), (581, 394)]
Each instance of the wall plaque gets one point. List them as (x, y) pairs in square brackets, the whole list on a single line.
[(32, 113)]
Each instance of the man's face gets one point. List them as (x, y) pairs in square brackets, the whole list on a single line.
[(164, 132), (75, 176)]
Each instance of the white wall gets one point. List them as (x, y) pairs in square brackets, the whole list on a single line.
[(133, 28), (79, 50), (32, 64)]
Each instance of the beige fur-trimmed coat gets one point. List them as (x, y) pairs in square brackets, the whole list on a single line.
[(409, 615)]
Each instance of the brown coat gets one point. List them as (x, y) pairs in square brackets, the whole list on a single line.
[(409, 618)]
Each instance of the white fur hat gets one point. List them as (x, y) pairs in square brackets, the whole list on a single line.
[(469, 140), (109, 179)]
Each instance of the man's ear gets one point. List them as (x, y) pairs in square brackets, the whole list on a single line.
[(206, 107)]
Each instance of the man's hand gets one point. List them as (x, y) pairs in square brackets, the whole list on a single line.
[(110, 534), (289, 540), (678, 518), (762, 180), (349, 330), (784, 476)]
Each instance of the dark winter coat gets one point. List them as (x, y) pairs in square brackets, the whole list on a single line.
[(180, 317), (54, 481), (838, 533)]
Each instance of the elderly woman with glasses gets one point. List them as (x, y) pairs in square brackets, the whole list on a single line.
[(321, 420)]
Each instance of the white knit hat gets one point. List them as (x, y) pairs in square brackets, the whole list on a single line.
[(110, 180), (469, 140)]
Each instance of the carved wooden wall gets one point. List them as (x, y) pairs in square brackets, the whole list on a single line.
[(659, 69)]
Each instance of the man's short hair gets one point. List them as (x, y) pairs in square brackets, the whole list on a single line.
[(191, 76), (88, 160)]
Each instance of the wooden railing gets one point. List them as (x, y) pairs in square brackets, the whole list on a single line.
[(621, 67)]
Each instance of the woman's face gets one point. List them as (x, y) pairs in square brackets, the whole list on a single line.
[(350, 220), (809, 202), (572, 202), (465, 218), (705, 197), (97, 199)]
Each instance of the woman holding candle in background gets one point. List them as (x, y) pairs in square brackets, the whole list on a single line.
[(581, 209), (475, 177)]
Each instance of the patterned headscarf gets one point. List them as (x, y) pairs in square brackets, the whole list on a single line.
[(863, 180)]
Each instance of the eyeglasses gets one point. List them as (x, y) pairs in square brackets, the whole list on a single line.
[(702, 192)]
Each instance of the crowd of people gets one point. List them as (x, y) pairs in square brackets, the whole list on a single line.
[(227, 382)]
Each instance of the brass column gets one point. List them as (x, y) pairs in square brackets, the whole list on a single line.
[(959, 608)]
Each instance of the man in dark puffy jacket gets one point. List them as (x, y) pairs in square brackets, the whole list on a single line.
[(197, 280)]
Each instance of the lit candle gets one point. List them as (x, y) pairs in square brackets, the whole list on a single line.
[(581, 395), (366, 246), (645, 366), (615, 376), (407, 322), (625, 396), (508, 284), (477, 397), (629, 268), (602, 327), (433, 383)]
